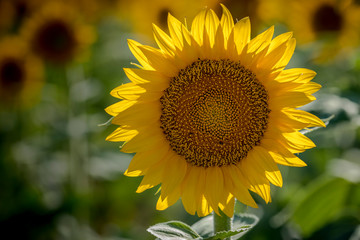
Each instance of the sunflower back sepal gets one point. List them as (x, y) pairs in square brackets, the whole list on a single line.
[(173, 230), (241, 221), (227, 234), (241, 224), (326, 122)]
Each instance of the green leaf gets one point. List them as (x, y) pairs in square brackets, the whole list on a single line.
[(173, 230), (321, 203)]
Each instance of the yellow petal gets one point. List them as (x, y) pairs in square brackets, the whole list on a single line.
[(131, 91), (118, 107), (280, 40), (127, 89), (122, 134), (176, 167), (211, 25), (136, 173), (264, 161), (285, 122), (159, 61), (197, 27), (242, 31), (308, 88), (258, 182), (152, 177), (239, 182), (191, 49), (227, 205), (189, 189), (214, 186), (139, 115), (227, 22), (187, 37), (290, 99), (175, 27), (163, 40), (141, 76), (274, 55), (219, 46), (146, 159), (231, 51), (169, 200), (204, 207), (134, 48), (301, 75), (276, 136), (298, 140), (145, 140), (281, 88), (303, 116), (288, 54), (261, 41), (291, 160)]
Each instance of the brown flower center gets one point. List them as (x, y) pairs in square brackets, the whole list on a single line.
[(214, 112), (11, 74), (162, 17), (55, 41), (327, 19)]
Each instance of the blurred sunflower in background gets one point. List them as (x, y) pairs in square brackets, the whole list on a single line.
[(58, 34), (143, 13), (212, 113), (334, 23), (21, 74)]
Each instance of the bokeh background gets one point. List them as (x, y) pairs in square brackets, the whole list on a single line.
[(60, 179)]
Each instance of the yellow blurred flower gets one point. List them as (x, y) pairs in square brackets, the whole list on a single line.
[(94, 10), (58, 34), (212, 113), (21, 74), (143, 13)]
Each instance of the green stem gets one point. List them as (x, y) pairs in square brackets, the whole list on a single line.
[(222, 223)]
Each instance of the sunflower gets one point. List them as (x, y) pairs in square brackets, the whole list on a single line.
[(57, 34), (335, 23), (212, 113), (21, 74), (143, 13)]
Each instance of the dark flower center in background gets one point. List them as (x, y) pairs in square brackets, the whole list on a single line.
[(55, 41), (21, 8), (327, 19), (11, 74), (162, 17)]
